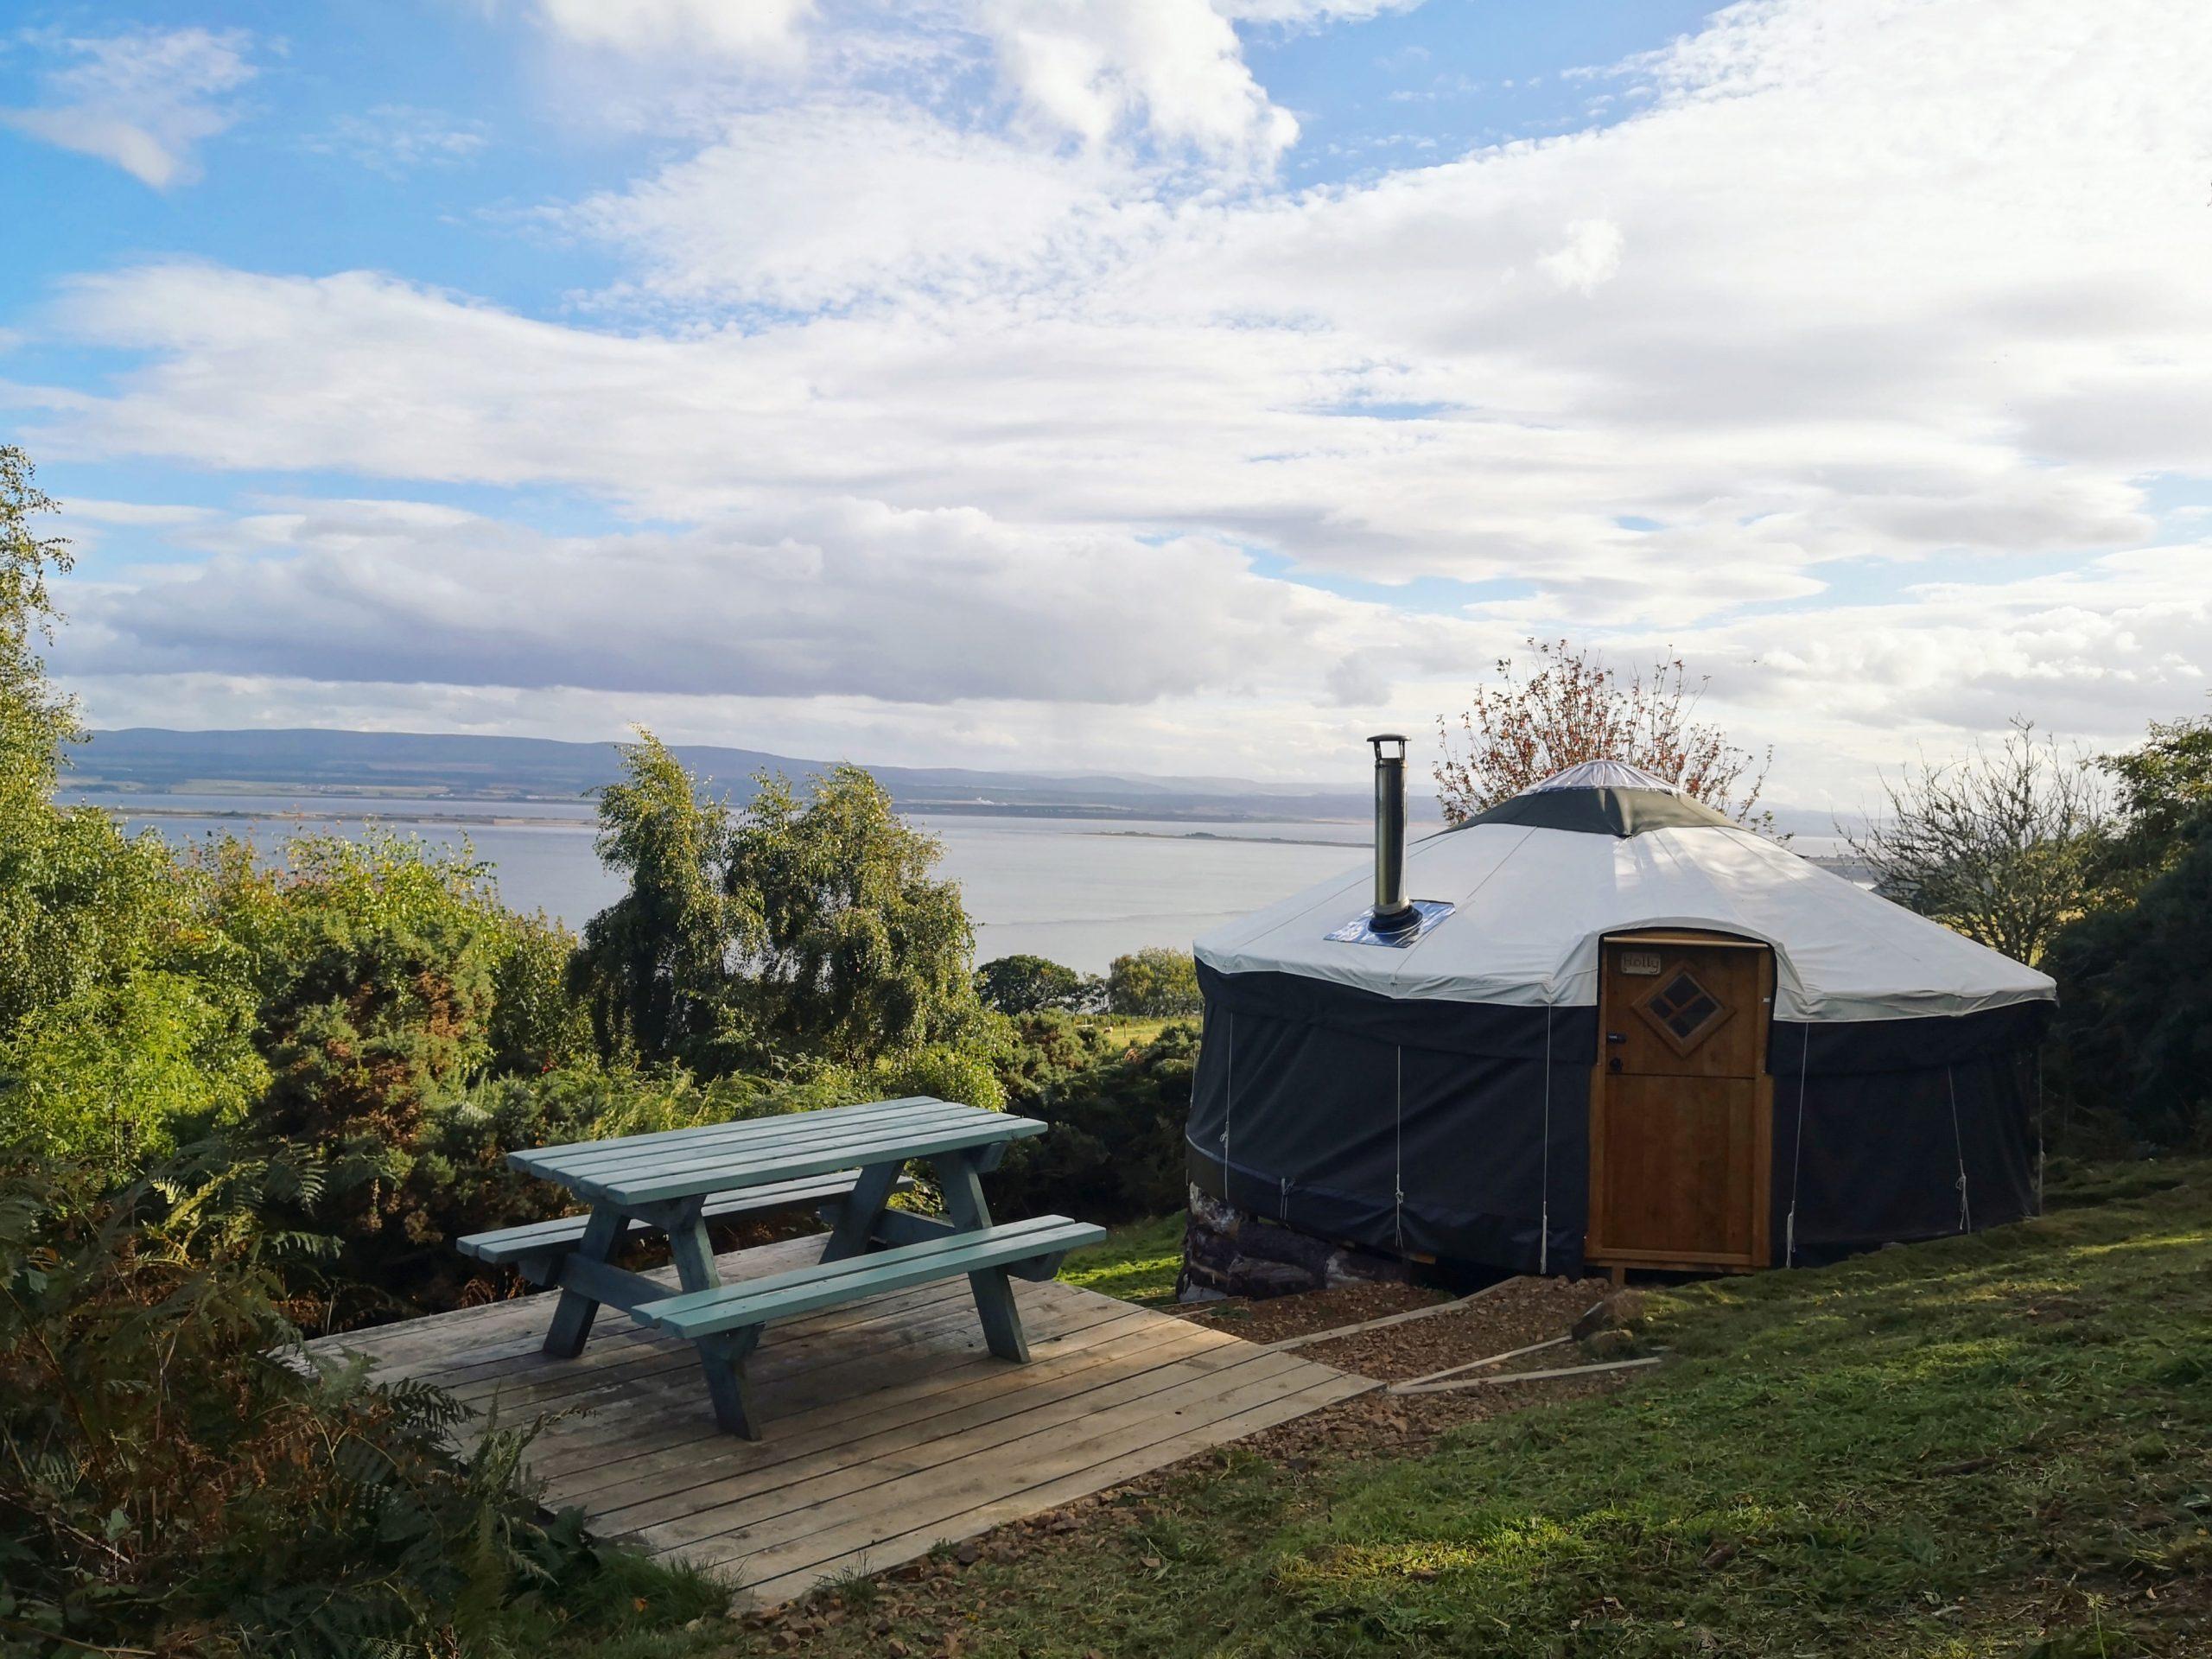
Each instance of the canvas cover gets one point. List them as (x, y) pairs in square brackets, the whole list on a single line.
[(1434, 1098), (1533, 898)]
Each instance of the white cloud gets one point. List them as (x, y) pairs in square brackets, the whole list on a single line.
[(1100, 68), (1590, 256), (396, 139), (817, 205), (1864, 294), (1308, 14), (733, 28), (143, 99), (845, 598)]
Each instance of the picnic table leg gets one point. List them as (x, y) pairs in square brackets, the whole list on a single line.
[(964, 1207), (572, 1317), (721, 1358), (858, 1215)]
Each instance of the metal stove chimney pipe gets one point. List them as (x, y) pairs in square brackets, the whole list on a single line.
[(1394, 912)]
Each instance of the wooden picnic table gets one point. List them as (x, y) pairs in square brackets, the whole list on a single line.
[(850, 1160)]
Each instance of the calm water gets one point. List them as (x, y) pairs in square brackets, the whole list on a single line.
[(1079, 890)]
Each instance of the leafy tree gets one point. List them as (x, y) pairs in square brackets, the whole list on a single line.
[(1155, 982), (2165, 789), (656, 966), (123, 1015), (1026, 984), (2006, 846), (537, 1021), (1574, 708), (2134, 1031), (35, 719), (853, 949)]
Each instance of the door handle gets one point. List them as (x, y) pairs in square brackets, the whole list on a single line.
[(1615, 1037)]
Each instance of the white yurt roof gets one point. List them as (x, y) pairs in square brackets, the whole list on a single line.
[(1531, 903)]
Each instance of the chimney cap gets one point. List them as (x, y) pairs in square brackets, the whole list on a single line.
[(1388, 737)]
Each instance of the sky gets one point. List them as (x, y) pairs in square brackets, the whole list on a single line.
[(1172, 385)]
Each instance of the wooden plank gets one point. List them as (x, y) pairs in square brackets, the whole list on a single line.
[(686, 1178), (751, 1137), (1311, 1337), (518, 1354), (1407, 1385), (885, 1396), (888, 1552), (883, 1391), (717, 1506), (978, 1462), (877, 1410), (565, 1388), (892, 1427), (1531, 1376), (634, 1380), (516, 1357), (704, 1312), (869, 1394), (925, 1502)]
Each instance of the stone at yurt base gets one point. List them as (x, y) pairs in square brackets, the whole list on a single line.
[(1229, 1252)]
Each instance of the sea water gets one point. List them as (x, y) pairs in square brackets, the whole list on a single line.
[(1079, 890)]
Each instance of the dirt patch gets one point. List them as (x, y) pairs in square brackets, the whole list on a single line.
[(1507, 1316), (1279, 1317)]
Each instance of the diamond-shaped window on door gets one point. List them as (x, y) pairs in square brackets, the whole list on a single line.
[(1682, 1011)]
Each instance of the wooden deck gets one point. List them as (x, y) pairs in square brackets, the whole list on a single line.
[(888, 1427)]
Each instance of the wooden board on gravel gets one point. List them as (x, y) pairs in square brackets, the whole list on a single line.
[(1507, 1315)]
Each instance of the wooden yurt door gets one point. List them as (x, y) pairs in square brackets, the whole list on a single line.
[(1682, 1107)]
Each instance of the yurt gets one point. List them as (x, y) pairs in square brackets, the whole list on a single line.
[(1600, 1024)]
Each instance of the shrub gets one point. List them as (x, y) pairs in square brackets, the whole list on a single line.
[(964, 1074), (119, 1072), (2134, 1031), (179, 1477), (1156, 982), (1117, 1112), (1026, 984)]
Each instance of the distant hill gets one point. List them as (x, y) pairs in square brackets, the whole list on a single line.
[(435, 767)]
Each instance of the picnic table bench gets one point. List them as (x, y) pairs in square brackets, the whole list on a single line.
[(846, 1161)]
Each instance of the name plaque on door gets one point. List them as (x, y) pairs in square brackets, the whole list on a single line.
[(1639, 961)]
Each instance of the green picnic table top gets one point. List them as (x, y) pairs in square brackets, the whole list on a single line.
[(675, 1164)]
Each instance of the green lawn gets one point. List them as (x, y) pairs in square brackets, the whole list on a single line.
[(1137, 1262), (1987, 1445)]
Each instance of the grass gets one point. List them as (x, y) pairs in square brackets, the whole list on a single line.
[(1987, 1445), (1137, 1030), (1138, 1262)]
